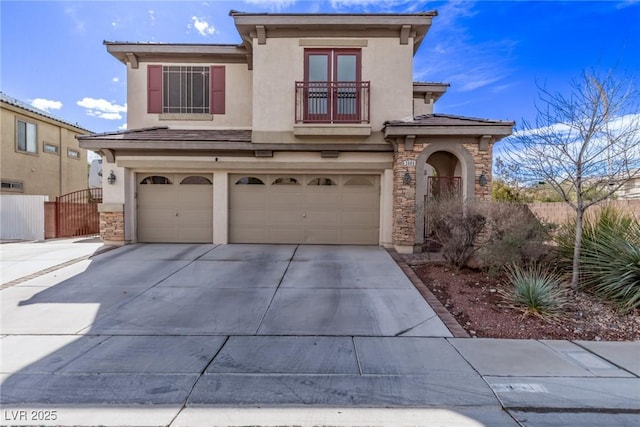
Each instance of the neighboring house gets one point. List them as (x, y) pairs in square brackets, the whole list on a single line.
[(630, 190), (310, 131), (40, 153)]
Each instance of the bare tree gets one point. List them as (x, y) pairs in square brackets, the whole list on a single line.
[(584, 145)]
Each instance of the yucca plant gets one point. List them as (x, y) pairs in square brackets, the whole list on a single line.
[(536, 291), (611, 266), (609, 220)]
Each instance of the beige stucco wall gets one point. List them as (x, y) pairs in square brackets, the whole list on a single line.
[(238, 96), (42, 173), (274, 84)]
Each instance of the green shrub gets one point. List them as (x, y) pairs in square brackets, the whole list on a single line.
[(536, 291)]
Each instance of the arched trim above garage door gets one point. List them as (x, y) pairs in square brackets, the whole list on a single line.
[(249, 180), (196, 180), (156, 179), (359, 180), (285, 181), (322, 181)]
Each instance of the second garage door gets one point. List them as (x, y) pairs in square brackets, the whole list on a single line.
[(175, 208), (312, 209)]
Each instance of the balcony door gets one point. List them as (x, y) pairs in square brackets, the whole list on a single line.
[(332, 77)]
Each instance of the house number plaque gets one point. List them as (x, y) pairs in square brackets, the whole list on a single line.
[(408, 162)]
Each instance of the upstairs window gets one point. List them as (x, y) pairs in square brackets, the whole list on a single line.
[(26, 137), (186, 89)]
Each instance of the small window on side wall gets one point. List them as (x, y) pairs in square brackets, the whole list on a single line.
[(74, 154), (249, 180), (286, 181), (16, 186), (50, 148), (322, 181), (156, 179)]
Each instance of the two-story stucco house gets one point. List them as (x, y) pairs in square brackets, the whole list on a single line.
[(310, 131), (40, 154)]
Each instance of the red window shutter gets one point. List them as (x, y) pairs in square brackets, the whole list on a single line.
[(217, 101), (154, 89)]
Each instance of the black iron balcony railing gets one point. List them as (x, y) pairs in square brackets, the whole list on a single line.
[(332, 102)]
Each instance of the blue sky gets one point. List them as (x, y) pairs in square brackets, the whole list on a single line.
[(492, 53)]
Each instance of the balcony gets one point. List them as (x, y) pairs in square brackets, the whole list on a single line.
[(332, 103)]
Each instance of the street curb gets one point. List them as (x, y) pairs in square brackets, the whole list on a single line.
[(447, 318)]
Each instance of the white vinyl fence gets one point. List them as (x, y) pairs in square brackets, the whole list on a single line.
[(22, 217)]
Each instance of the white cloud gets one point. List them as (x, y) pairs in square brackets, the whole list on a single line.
[(115, 79), (626, 3), (102, 108), (152, 15), (46, 104), (122, 126), (203, 26), (272, 4)]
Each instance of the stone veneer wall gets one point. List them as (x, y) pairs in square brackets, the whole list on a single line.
[(404, 196), (112, 227)]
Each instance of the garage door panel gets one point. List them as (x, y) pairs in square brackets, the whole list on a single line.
[(153, 234), (279, 199), (247, 218), (322, 235), (242, 199), (327, 219), (285, 235), (320, 209), (323, 200), (168, 211), (194, 218), (247, 234), (194, 234), (354, 236), (360, 219), (153, 198), (195, 199), (285, 217)]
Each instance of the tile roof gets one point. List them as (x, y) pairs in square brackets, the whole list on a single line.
[(163, 133), (447, 120), (20, 104)]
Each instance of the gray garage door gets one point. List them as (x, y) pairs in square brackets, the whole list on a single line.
[(175, 208), (312, 209)]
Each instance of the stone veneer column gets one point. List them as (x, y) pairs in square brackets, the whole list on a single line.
[(404, 200), (112, 223)]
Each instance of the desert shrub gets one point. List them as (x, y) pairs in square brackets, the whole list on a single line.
[(513, 235), (455, 227), (608, 220), (609, 255), (536, 291), (610, 266)]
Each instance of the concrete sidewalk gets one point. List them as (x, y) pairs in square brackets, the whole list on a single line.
[(19, 260), (307, 336)]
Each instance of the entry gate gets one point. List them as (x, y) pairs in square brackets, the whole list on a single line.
[(77, 213)]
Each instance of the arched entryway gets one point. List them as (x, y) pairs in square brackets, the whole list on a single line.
[(441, 168)]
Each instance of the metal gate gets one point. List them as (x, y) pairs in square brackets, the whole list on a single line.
[(77, 213)]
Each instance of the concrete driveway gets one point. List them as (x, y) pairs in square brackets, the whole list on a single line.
[(188, 334)]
